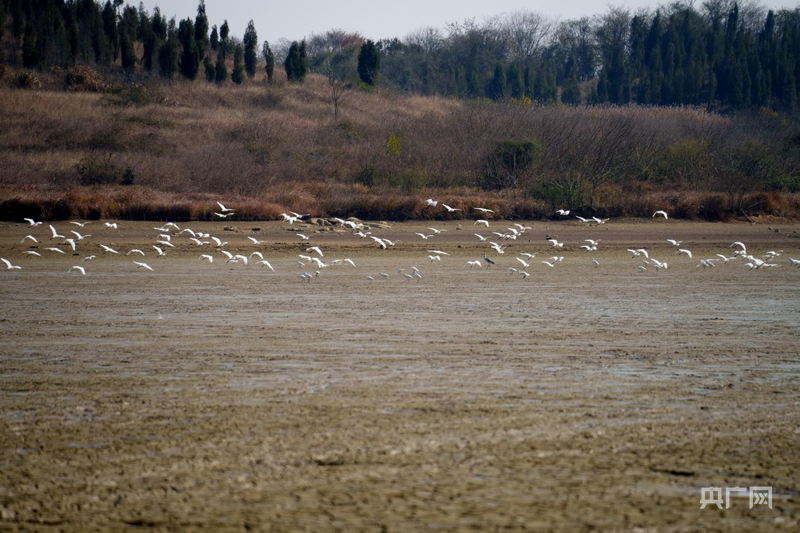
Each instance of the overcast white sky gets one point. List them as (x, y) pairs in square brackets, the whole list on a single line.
[(377, 19)]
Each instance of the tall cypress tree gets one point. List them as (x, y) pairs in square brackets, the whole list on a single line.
[(30, 54), (209, 69), (190, 58), (571, 91), (250, 42), (221, 71), (224, 43), (201, 29), (214, 42), (497, 87), (296, 63), (168, 55), (269, 60), (514, 82), (237, 76), (369, 62), (110, 27)]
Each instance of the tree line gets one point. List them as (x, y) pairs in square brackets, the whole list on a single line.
[(722, 54)]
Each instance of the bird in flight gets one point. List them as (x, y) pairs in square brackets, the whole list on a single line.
[(660, 213)]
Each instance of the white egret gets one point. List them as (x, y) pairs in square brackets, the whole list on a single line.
[(111, 225), (259, 254), (673, 242), (32, 222), (481, 221), (223, 208), (256, 241), (424, 237), (563, 212), (9, 266), (55, 235), (31, 252), (684, 251), (208, 257), (79, 236), (660, 213), (31, 237), (431, 202), (483, 210), (135, 251), (551, 265), (595, 262), (450, 209), (89, 257), (266, 264), (315, 249), (218, 242), (143, 265), (80, 224), (78, 268), (161, 252), (58, 250)]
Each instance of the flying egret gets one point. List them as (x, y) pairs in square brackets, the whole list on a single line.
[(315, 249), (288, 218), (350, 261), (31, 237), (259, 254), (168, 244), (78, 268), (223, 208), (143, 265), (439, 252), (135, 251), (79, 236), (563, 212), (266, 264), (555, 243), (483, 210), (435, 258), (9, 266), (431, 202), (450, 209), (31, 252), (600, 220), (198, 242), (302, 237), (737, 243), (58, 250), (218, 242), (32, 222), (481, 221), (80, 224), (660, 213), (89, 257), (525, 264), (379, 241), (595, 262), (471, 264), (673, 242), (227, 254), (684, 251), (55, 235), (256, 241), (581, 218), (424, 237), (437, 231), (189, 231), (497, 247), (111, 225), (725, 259), (206, 256), (224, 215), (551, 265), (161, 253), (525, 275)]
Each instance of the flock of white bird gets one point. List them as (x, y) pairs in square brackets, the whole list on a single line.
[(497, 243)]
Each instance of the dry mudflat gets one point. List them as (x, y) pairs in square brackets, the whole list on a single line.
[(225, 397)]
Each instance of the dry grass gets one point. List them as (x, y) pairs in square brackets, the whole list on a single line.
[(275, 147)]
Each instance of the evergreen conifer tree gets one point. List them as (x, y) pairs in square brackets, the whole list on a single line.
[(269, 60), (201, 29), (237, 76), (250, 42), (221, 70), (369, 62)]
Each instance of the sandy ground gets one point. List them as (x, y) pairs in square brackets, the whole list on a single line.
[(226, 397)]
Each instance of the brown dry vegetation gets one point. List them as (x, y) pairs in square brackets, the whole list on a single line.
[(267, 148)]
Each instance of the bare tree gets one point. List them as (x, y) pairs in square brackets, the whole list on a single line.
[(526, 33), (340, 71)]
